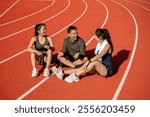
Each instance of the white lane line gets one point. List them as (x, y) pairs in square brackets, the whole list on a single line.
[(33, 88), (132, 55), (45, 79), (9, 8), (138, 5), (34, 25), (107, 14), (27, 15), (52, 36), (41, 82), (12, 56)]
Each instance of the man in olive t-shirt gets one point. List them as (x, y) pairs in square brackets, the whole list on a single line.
[(73, 49)]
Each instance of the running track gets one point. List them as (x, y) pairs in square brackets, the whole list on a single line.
[(127, 21)]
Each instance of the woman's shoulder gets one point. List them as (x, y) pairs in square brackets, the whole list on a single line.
[(34, 38), (48, 37)]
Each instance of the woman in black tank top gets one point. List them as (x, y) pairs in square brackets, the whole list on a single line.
[(41, 48)]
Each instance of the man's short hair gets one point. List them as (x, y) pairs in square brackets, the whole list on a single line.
[(71, 28)]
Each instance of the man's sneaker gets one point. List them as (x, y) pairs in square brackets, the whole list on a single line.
[(72, 78), (58, 72), (46, 72), (34, 72)]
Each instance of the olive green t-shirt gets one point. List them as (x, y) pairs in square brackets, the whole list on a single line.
[(73, 48)]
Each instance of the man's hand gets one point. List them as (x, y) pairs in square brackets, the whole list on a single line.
[(76, 56)]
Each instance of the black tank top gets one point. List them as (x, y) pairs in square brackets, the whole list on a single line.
[(40, 47)]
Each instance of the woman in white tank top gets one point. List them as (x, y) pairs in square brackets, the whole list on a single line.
[(101, 63)]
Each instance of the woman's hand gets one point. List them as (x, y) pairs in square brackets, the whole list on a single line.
[(47, 46), (38, 53), (84, 67), (60, 54)]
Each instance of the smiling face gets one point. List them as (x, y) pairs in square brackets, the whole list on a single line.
[(73, 35), (42, 30)]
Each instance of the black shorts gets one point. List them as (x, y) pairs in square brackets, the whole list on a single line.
[(41, 59), (109, 71)]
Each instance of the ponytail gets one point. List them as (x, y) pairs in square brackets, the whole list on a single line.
[(104, 33), (108, 38)]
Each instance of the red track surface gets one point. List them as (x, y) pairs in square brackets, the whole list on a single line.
[(128, 23)]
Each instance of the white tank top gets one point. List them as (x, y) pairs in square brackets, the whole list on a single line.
[(100, 47)]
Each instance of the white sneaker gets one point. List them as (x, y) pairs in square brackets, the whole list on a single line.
[(72, 78), (34, 72), (46, 72), (58, 72)]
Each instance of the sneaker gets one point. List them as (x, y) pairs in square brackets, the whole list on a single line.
[(72, 78), (34, 72), (58, 72), (46, 72)]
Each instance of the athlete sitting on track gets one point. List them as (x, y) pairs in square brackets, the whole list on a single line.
[(40, 47), (101, 63), (73, 49)]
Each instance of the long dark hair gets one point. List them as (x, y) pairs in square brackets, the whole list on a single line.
[(37, 28), (104, 33)]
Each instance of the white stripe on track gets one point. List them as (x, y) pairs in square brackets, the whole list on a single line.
[(132, 55), (52, 35), (45, 79), (12, 56), (34, 25), (9, 8), (28, 15), (138, 5), (33, 88), (107, 14)]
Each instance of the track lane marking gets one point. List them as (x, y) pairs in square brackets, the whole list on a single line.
[(41, 82), (132, 55), (107, 14), (25, 29), (9, 8), (27, 15), (45, 79)]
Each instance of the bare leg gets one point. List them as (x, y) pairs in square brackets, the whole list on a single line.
[(33, 60), (80, 70), (99, 67), (65, 61), (48, 59), (79, 61)]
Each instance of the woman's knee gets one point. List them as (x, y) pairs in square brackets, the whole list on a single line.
[(49, 52), (103, 72), (85, 59), (33, 54)]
